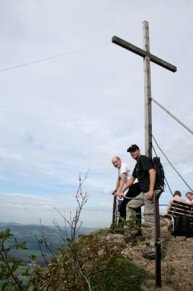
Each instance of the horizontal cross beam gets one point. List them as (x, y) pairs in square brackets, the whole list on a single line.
[(143, 53)]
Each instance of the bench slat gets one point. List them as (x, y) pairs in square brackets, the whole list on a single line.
[(180, 208)]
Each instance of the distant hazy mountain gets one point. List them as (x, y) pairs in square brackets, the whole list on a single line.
[(40, 237)]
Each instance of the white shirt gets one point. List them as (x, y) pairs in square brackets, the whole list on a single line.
[(124, 169)]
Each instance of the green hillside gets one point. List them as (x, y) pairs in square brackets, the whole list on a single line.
[(39, 239)]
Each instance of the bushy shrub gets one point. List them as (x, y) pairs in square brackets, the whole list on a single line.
[(92, 263)]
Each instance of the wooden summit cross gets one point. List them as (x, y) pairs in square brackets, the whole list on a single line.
[(147, 57)]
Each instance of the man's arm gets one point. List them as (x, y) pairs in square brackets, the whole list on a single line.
[(152, 178), (122, 180), (126, 186)]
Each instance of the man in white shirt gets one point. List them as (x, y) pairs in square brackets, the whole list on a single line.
[(124, 173)]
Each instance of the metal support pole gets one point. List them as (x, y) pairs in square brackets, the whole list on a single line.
[(114, 212), (158, 241)]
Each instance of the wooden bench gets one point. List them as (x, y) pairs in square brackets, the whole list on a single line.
[(180, 209)]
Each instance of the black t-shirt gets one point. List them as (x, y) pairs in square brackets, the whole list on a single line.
[(141, 172)]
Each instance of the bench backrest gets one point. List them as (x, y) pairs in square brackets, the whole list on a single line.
[(179, 208)]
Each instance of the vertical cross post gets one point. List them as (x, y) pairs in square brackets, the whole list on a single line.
[(147, 58), (147, 92)]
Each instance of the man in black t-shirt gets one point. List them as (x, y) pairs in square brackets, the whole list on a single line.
[(145, 173)]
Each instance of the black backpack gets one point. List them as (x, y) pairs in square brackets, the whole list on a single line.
[(160, 174), (182, 226)]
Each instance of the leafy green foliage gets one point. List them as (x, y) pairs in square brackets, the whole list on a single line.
[(9, 264), (92, 263)]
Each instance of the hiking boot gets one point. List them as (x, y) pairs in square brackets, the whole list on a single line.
[(149, 255)]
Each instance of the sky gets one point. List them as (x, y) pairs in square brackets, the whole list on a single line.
[(70, 100)]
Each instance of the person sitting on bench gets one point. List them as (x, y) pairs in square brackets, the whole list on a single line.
[(177, 196), (189, 196)]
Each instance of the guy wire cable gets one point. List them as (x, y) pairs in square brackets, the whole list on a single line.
[(175, 118), (171, 164)]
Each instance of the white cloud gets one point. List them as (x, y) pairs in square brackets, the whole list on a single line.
[(72, 113)]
